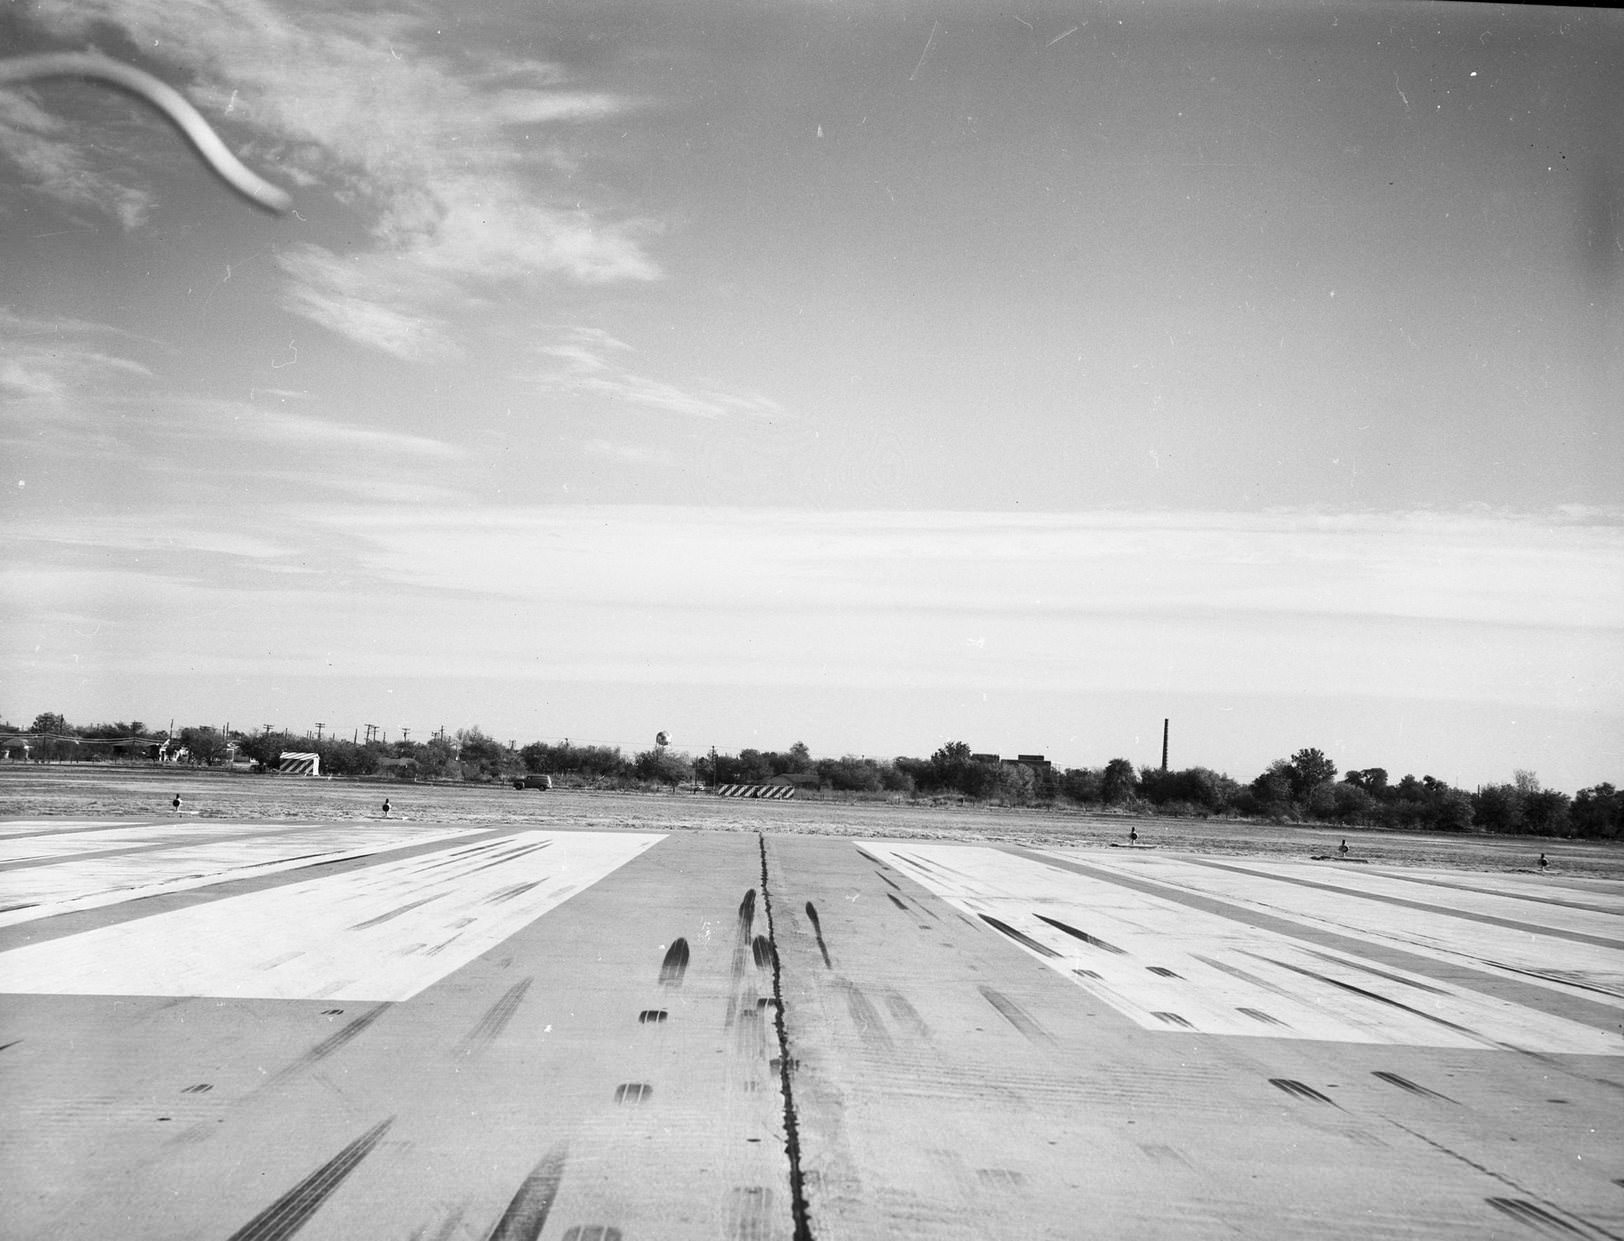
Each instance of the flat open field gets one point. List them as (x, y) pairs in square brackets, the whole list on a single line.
[(575, 1017), (34, 790)]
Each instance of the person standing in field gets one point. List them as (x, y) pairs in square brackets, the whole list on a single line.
[(176, 803), (386, 807)]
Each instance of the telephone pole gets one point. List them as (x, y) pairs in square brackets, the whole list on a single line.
[(319, 727)]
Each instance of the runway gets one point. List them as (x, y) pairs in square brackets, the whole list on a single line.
[(379, 1029)]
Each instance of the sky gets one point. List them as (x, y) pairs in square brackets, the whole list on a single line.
[(868, 374)]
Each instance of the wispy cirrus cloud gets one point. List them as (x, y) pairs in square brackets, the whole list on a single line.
[(46, 361), (590, 362), (432, 152), (44, 149)]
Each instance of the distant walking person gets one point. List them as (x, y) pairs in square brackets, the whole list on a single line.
[(1342, 849), (386, 807), (176, 803)]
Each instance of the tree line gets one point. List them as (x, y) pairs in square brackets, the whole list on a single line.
[(1301, 788)]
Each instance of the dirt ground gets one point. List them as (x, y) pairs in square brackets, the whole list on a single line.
[(101, 791)]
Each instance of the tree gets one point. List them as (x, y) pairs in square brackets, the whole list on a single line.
[(1372, 779), (203, 745), (1499, 808), (1118, 782), (1598, 813), (1019, 783), (49, 722), (1307, 770), (661, 766)]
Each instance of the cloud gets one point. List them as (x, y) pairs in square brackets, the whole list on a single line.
[(422, 146), (49, 152), (48, 363), (627, 454), (587, 362), (1414, 606), (354, 298)]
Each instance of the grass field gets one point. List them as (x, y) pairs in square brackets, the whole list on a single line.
[(96, 791)]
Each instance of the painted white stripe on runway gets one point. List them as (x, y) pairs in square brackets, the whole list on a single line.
[(265, 849), (43, 827), (1588, 970), (383, 933), (44, 846), (1376, 883), (1218, 975)]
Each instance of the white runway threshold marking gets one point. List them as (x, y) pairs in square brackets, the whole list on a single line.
[(384, 933), (174, 860), (1173, 968)]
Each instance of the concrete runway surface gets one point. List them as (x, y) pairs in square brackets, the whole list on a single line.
[(417, 1031)]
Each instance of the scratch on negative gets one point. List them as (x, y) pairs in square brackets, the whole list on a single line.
[(925, 55), (1059, 37)]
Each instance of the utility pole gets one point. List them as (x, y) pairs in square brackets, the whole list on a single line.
[(405, 734), (319, 727), (1164, 743)]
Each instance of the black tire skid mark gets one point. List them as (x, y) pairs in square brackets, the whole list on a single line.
[(1299, 1090), (870, 1028), (13, 1043), (1377, 972), (1548, 976), (652, 1017), (332, 1042), (817, 929), (293, 1210), (1015, 1015), (1092, 940), (1550, 1207), (749, 1214), (907, 1014), (1404, 1083), (1257, 1014), (896, 901), (496, 1018), (1173, 1019), (1020, 937), (1164, 972), (633, 1092), (505, 858), (1381, 999), (526, 1214), (1532, 1214), (747, 914), (761, 948), (1001, 1178), (395, 913), (887, 879), (592, 1232), (518, 889), (1234, 971), (675, 964)]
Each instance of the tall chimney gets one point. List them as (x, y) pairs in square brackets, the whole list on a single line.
[(1164, 744)]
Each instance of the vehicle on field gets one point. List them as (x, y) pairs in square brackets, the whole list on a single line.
[(532, 782)]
